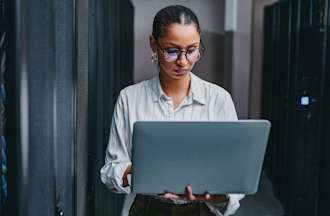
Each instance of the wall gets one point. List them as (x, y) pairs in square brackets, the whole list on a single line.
[(257, 57), (243, 48), (238, 52)]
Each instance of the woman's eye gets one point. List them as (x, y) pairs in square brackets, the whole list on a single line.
[(191, 50), (172, 51)]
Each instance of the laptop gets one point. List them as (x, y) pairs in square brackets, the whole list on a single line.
[(215, 157)]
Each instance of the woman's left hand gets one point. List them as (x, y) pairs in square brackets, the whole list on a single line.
[(191, 197)]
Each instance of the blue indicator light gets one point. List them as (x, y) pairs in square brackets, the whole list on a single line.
[(304, 101)]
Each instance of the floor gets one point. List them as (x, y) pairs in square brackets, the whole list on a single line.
[(263, 203)]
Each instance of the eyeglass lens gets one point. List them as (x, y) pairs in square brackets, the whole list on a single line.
[(192, 56)]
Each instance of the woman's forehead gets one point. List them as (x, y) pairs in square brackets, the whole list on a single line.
[(180, 34)]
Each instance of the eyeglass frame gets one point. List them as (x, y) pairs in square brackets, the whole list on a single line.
[(201, 50)]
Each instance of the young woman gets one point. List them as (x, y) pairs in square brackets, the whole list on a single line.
[(173, 94)]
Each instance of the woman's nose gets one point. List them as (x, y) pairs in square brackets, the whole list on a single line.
[(182, 59)]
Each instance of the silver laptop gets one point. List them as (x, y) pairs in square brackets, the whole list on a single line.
[(217, 157)]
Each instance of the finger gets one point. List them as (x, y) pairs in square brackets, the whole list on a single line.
[(189, 193), (170, 196)]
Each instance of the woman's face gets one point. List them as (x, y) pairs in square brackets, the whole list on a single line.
[(175, 38)]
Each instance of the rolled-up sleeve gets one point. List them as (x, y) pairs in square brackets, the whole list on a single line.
[(117, 158), (228, 108)]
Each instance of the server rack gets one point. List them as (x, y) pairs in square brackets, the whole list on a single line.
[(68, 72), (296, 104), (306, 115), (111, 69), (40, 154), (323, 202), (266, 101), (280, 96), (3, 63), (275, 98)]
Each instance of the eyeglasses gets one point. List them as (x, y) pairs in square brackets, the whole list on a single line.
[(192, 54)]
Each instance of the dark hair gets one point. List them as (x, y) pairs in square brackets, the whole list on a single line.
[(173, 14)]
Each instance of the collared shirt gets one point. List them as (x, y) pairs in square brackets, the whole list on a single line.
[(147, 101)]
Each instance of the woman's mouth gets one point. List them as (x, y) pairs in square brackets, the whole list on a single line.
[(180, 72)]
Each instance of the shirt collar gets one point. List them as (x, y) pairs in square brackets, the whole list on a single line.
[(195, 89)]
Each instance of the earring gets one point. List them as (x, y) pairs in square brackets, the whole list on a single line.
[(154, 57)]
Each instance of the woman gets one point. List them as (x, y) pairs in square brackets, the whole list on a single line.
[(173, 94)]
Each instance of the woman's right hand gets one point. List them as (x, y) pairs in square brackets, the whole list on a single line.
[(188, 196), (192, 197), (125, 178)]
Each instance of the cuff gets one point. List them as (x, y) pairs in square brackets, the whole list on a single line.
[(217, 209), (233, 204), (113, 177), (118, 178)]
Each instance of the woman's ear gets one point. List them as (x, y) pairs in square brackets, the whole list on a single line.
[(153, 43)]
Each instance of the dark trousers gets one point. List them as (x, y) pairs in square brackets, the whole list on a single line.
[(150, 206)]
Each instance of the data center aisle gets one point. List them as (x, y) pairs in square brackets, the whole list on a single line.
[(263, 203)]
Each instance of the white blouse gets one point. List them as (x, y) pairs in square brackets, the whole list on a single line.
[(147, 101)]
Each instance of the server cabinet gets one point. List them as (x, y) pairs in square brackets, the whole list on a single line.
[(305, 114), (281, 98), (276, 83), (266, 101), (297, 101), (324, 187), (61, 93), (111, 69), (40, 90), (10, 104), (3, 63)]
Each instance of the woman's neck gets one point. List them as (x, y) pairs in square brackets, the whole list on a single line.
[(175, 87)]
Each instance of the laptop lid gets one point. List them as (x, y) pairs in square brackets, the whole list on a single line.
[(218, 157)]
